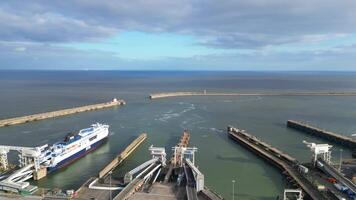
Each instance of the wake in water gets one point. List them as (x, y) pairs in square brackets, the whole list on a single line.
[(215, 130), (189, 123), (171, 114)]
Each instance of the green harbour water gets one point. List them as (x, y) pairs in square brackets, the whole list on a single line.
[(220, 159)]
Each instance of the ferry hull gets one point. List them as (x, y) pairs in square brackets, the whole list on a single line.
[(77, 156)]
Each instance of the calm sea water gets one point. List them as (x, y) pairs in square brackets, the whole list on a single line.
[(221, 160)]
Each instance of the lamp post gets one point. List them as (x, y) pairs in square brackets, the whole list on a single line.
[(110, 184), (233, 189), (340, 160)]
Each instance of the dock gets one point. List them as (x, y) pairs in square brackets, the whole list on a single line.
[(156, 179), (284, 162), (333, 137), (59, 113), (204, 93), (98, 187)]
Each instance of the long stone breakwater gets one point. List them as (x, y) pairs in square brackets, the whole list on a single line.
[(123, 155), (58, 113), (328, 135), (204, 93)]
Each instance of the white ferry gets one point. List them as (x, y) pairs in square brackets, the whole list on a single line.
[(75, 146)]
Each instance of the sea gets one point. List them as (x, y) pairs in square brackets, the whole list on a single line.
[(164, 120)]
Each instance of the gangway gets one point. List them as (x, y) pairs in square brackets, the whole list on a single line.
[(129, 175), (16, 181)]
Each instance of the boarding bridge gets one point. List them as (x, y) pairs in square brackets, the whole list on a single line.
[(16, 181), (30, 159), (129, 175), (27, 155), (158, 158)]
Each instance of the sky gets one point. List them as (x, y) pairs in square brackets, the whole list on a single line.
[(248, 35)]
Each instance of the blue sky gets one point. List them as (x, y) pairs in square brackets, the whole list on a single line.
[(178, 35)]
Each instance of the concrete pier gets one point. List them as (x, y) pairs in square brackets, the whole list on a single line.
[(284, 162), (123, 155), (59, 113), (204, 93), (333, 137)]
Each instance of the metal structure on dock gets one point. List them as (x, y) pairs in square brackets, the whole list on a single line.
[(178, 179), (29, 163), (322, 151)]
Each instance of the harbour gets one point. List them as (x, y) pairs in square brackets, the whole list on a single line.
[(154, 119), (177, 100)]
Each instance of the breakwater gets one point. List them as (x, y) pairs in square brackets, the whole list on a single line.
[(123, 155), (333, 137), (59, 113), (204, 93), (284, 162)]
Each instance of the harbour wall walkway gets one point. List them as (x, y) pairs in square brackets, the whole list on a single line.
[(180, 94), (123, 155), (59, 113), (333, 137)]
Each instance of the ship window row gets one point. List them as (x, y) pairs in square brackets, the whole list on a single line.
[(92, 138)]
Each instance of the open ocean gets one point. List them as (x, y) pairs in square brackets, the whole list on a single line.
[(221, 160)]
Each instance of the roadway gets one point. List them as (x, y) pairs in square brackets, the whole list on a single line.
[(337, 175)]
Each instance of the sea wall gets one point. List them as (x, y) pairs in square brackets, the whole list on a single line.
[(59, 113)]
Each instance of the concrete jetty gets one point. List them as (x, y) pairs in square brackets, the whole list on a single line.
[(333, 137), (204, 93), (59, 113), (123, 155), (284, 162), (89, 191)]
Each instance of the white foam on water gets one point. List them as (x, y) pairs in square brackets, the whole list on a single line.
[(170, 114), (25, 132), (216, 130)]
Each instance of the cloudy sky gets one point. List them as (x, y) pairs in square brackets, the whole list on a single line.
[(178, 35)]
